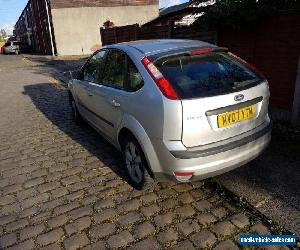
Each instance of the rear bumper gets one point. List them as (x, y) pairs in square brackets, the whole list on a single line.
[(214, 161), (189, 154)]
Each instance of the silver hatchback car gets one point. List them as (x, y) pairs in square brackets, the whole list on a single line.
[(178, 109)]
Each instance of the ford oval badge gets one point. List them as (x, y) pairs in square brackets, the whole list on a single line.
[(239, 97)]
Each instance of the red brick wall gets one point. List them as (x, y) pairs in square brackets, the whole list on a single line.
[(273, 46)]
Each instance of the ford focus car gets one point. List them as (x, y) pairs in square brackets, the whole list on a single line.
[(177, 109)]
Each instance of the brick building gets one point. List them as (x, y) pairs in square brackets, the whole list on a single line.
[(66, 27)]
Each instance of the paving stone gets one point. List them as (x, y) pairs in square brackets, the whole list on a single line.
[(129, 218), (166, 193), (103, 230), (70, 180), (240, 220), (78, 225), (75, 195), (58, 221), (32, 231), (146, 244), (26, 245), (184, 187), (33, 182), (99, 245), (259, 228), (76, 241), (168, 236), (150, 210), (40, 217), (188, 226), (185, 198), (130, 205), (59, 192), (149, 198), (121, 239), (219, 212), (48, 186), (11, 189), (203, 239), (202, 206), (102, 204), (7, 219), (33, 201), (54, 246), (50, 237), (65, 208), (143, 230), (169, 204), (80, 212), (184, 245), (29, 212), (8, 240), (105, 215), (7, 199), (185, 211), (206, 219), (16, 225), (226, 245), (223, 228), (163, 219)]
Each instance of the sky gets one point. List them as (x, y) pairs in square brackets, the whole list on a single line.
[(10, 11)]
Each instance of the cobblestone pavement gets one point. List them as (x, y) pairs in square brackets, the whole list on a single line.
[(61, 186)]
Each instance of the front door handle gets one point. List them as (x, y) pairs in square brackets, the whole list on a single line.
[(114, 103)]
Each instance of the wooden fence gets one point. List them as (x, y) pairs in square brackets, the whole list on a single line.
[(135, 32)]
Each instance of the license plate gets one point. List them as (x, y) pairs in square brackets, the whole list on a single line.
[(233, 117)]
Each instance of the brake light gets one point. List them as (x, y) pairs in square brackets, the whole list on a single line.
[(201, 51), (248, 65), (183, 176), (162, 83)]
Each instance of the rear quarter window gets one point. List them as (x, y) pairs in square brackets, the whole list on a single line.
[(205, 75)]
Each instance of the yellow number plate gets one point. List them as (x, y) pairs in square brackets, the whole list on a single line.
[(233, 117)]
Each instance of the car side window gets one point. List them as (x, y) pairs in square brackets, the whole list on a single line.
[(114, 73), (134, 80), (94, 67)]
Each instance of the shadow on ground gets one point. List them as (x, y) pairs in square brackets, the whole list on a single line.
[(278, 169), (57, 68), (52, 101)]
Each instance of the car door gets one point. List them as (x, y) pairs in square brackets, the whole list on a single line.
[(120, 78), (83, 86), (104, 103)]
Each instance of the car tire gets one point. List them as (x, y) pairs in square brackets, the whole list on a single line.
[(76, 115), (135, 164)]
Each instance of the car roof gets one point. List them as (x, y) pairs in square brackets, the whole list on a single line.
[(150, 47)]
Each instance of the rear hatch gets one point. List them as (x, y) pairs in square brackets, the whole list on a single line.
[(222, 96)]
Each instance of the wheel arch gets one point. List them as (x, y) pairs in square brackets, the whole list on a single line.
[(131, 127)]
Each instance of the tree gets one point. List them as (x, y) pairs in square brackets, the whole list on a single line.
[(3, 34), (233, 14)]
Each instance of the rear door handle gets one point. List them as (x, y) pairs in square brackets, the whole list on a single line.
[(88, 91), (115, 103)]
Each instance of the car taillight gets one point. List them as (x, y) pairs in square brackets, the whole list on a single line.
[(248, 65), (162, 83), (183, 176), (201, 51)]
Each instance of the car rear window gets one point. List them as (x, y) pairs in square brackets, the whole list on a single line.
[(205, 75)]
